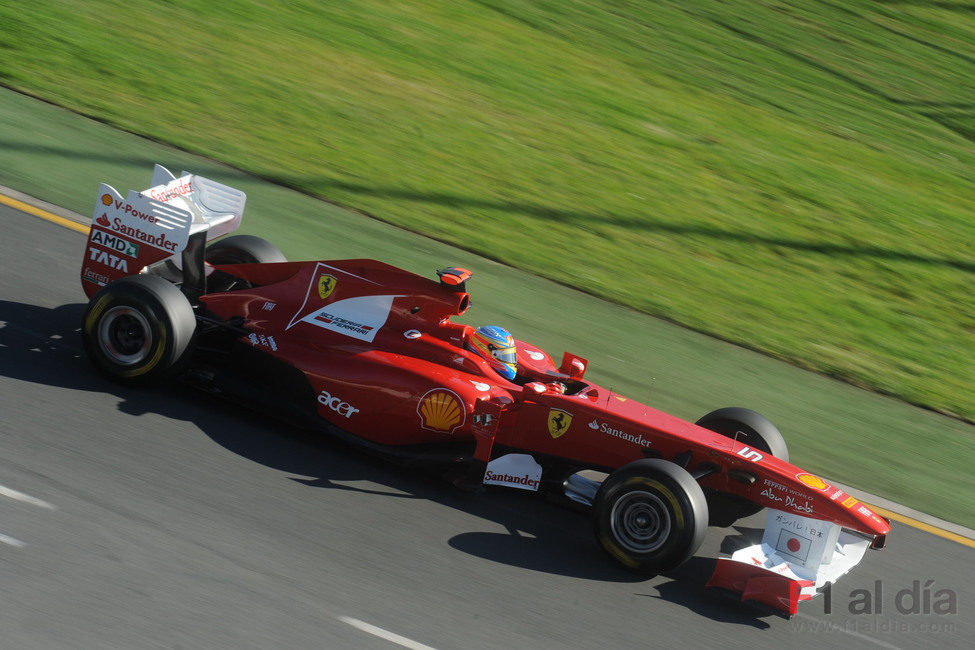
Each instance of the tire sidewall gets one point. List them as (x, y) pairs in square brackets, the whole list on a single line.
[(681, 498), (162, 308), (759, 431), (760, 434), (243, 249)]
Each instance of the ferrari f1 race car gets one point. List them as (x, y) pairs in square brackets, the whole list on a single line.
[(368, 352)]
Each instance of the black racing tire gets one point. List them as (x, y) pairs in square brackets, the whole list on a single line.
[(750, 428), (138, 330), (754, 430), (243, 249), (650, 515)]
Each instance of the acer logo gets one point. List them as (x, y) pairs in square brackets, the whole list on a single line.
[(109, 260), (336, 404)]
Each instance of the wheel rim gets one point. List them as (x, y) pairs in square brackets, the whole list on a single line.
[(124, 335), (640, 521)]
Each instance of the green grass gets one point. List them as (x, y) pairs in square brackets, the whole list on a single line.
[(794, 177), (876, 443)]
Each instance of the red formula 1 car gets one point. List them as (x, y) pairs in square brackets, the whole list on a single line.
[(369, 353)]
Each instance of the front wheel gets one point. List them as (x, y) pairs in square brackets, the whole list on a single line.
[(650, 515), (758, 432), (138, 329)]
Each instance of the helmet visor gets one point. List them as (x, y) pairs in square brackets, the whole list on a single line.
[(504, 354)]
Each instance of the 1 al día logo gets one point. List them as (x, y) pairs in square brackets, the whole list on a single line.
[(922, 598)]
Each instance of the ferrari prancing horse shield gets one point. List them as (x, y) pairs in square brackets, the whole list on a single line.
[(326, 285), (558, 422)]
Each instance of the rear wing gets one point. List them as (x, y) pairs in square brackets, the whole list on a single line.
[(216, 208), (172, 220)]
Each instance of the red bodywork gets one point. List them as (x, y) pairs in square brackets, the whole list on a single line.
[(378, 348)]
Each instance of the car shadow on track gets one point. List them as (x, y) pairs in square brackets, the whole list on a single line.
[(685, 587), (43, 346)]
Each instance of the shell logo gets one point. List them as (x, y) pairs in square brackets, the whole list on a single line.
[(813, 481), (441, 410), (106, 199)]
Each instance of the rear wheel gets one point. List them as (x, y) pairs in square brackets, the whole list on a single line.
[(650, 515), (243, 249), (756, 431), (138, 329), (238, 249)]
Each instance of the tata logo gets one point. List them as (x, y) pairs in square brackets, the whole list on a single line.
[(344, 409), (558, 422), (108, 259), (326, 285)]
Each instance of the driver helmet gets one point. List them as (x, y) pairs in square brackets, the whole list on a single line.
[(497, 346)]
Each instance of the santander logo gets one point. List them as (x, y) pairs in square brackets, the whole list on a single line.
[(619, 433), (103, 220)]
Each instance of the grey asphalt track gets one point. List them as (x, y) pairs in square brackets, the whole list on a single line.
[(181, 522)]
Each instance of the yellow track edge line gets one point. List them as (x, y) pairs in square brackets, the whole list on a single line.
[(914, 523), (43, 214), (928, 528)]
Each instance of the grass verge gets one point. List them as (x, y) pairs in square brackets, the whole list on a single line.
[(791, 176)]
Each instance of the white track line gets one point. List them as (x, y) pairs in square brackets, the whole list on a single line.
[(384, 634), (26, 498), (11, 541)]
